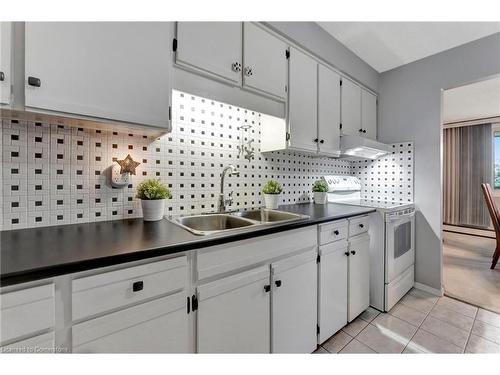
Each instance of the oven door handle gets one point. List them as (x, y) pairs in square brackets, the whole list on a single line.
[(404, 216)]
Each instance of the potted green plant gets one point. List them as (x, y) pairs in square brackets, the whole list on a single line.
[(271, 191), (320, 188), (152, 194)]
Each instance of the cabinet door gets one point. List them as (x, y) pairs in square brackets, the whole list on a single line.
[(111, 70), (359, 275), (294, 304), (369, 114), (212, 47), (159, 326), (328, 111), (44, 343), (264, 61), (5, 46), (302, 102), (233, 314), (332, 314), (351, 107)]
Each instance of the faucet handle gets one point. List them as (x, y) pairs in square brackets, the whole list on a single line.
[(229, 198)]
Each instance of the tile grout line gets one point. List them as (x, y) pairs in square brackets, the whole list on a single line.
[(420, 325)]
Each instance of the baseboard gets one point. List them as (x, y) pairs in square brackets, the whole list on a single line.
[(428, 289)]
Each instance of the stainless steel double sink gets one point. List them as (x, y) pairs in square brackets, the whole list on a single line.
[(226, 222)]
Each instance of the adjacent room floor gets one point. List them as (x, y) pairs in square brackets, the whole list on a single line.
[(466, 270), (420, 323)]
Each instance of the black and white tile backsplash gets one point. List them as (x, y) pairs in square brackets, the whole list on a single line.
[(53, 174)]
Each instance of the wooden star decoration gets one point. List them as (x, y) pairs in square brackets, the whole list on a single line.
[(127, 165)]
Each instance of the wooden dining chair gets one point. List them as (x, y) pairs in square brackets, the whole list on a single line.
[(495, 218)]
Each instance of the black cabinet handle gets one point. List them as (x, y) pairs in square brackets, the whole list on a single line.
[(2, 76), (353, 252), (188, 305), (322, 141), (277, 283), (346, 253), (361, 225), (35, 82), (364, 131), (138, 286), (267, 288), (316, 140), (360, 130), (336, 232)]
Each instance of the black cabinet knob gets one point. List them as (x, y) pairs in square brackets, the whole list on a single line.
[(322, 141), (138, 286), (361, 225), (2, 76), (360, 130), (267, 288), (364, 131), (316, 140), (35, 82), (277, 283), (336, 232), (346, 253), (353, 252)]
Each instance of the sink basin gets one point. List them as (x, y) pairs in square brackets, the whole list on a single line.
[(268, 216), (214, 223)]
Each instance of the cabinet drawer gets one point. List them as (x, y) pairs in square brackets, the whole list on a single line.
[(331, 232), (110, 290), (358, 225), (158, 326), (26, 311)]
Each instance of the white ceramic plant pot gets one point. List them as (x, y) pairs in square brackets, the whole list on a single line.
[(271, 201), (320, 197), (152, 210)]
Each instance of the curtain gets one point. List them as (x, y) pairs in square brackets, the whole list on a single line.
[(468, 162)]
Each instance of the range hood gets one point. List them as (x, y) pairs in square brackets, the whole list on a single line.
[(360, 147)]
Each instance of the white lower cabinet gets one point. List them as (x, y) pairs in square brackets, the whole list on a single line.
[(358, 275), (44, 343), (233, 314), (159, 326), (332, 310), (294, 304)]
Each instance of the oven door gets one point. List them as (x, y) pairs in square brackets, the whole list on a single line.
[(399, 244)]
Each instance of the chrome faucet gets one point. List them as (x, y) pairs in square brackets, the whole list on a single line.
[(223, 201)]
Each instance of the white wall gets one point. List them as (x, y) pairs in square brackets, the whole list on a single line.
[(410, 109)]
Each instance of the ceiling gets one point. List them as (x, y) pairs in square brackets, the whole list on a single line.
[(387, 45)]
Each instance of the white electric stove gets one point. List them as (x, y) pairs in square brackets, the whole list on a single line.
[(392, 241)]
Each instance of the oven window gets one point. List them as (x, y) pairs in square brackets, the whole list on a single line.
[(402, 239)]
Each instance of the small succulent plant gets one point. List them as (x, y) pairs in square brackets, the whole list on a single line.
[(320, 186), (152, 189), (272, 187)]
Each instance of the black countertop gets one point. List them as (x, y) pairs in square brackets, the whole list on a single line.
[(37, 253)]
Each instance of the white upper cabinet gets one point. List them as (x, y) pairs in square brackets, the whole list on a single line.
[(5, 55), (302, 102), (294, 304), (351, 108), (328, 111), (211, 47), (109, 70), (369, 114), (264, 61), (358, 275), (233, 314)]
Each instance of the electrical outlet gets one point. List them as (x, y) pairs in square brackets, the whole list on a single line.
[(119, 180)]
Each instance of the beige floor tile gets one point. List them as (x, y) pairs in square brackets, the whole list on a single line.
[(478, 344), (426, 342), (412, 349), (417, 303), (486, 331), (369, 314), (445, 331), (458, 306), (337, 342), (355, 327), (320, 350), (387, 334), (408, 314), (424, 295), (356, 347), (488, 317), (452, 317)]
